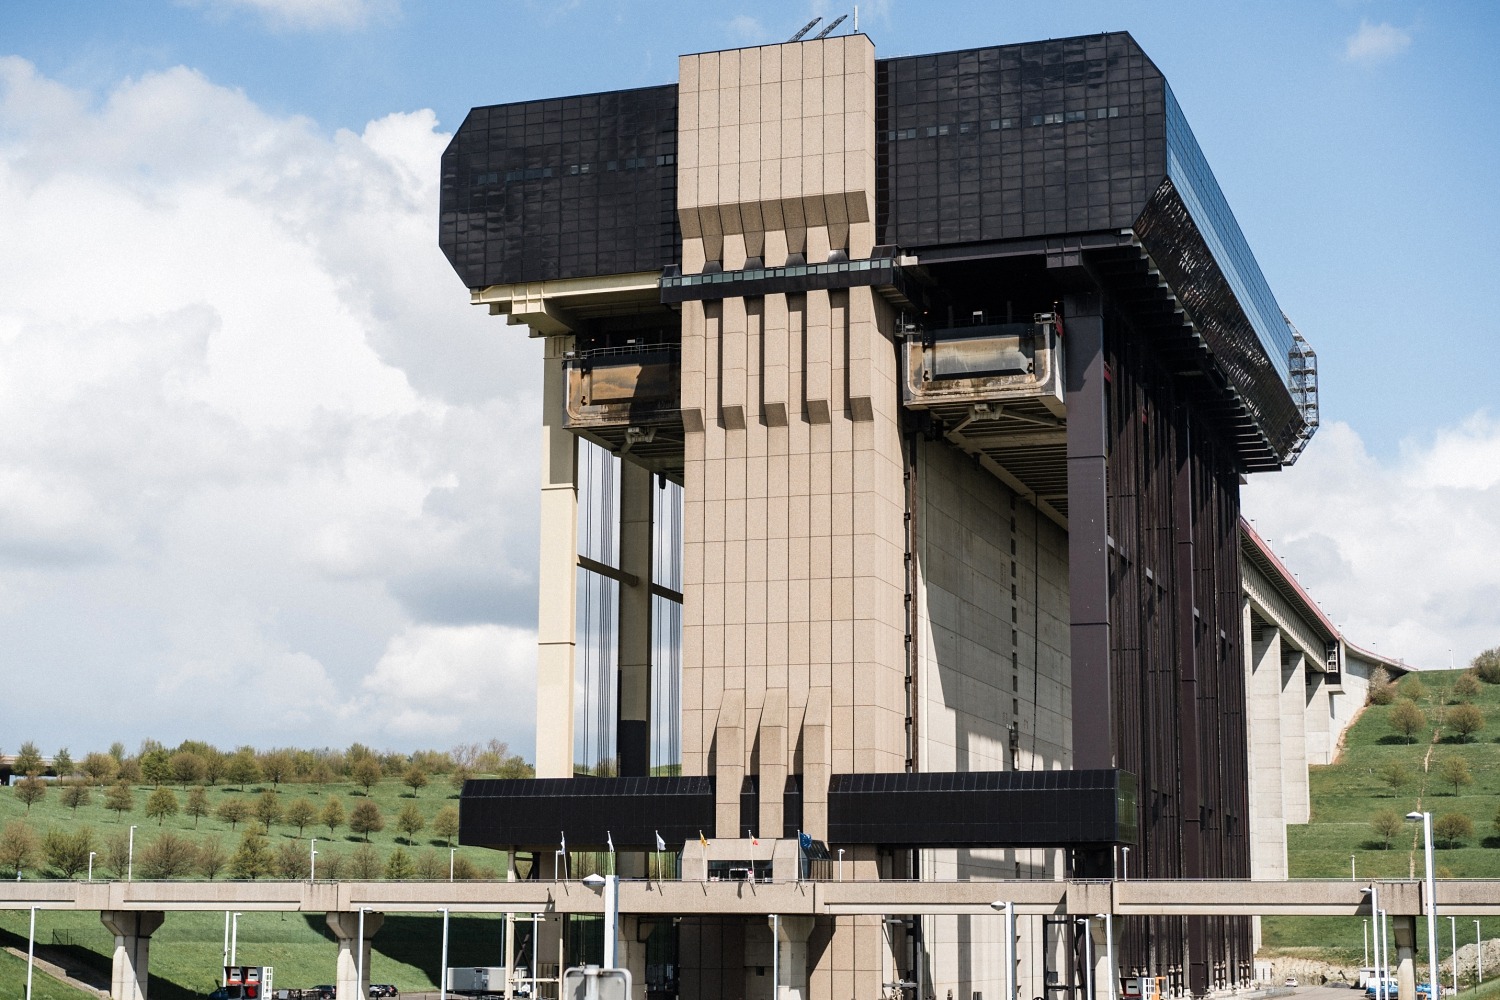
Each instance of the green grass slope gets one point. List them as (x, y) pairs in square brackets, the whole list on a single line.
[(1345, 796)]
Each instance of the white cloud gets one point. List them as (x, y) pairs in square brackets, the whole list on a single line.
[(1400, 553), (307, 15), (1374, 43), (747, 30), (259, 449)]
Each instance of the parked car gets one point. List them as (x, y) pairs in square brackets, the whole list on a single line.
[(1290, 981), (378, 990), (324, 992)]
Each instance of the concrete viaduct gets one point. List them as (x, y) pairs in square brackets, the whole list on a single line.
[(133, 911)]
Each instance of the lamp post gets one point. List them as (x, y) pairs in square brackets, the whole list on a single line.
[(361, 992), (1009, 909), (234, 939), (841, 864), (312, 859), (1366, 929), (609, 887), (1478, 957), (1109, 952), (443, 967), (30, 952), (1088, 958), (451, 852), (1432, 969), (130, 857), (1374, 895), (1125, 877), (1453, 930), (1352, 877), (91, 864)]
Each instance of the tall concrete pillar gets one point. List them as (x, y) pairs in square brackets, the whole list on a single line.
[(1404, 930), (352, 974), (633, 732), (1108, 941), (792, 958), (132, 929), (557, 577)]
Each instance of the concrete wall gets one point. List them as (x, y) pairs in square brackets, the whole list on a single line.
[(992, 602)]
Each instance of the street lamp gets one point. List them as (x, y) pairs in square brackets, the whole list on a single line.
[(1478, 958), (1432, 973), (1125, 877), (130, 857), (1453, 930), (841, 864), (360, 989), (234, 939), (451, 852), (91, 864), (1109, 951), (312, 859), (1374, 895), (30, 952), (443, 967), (609, 887), (1088, 958), (1009, 909)]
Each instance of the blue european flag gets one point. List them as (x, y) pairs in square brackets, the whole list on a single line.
[(804, 840)]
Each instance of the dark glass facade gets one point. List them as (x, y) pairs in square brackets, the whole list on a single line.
[(570, 187)]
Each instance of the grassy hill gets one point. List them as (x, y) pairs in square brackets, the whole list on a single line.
[(1345, 796), (187, 952)]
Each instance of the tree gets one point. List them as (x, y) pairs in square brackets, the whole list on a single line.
[(170, 855), (1386, 823), (117, 853), (1465, 720), (67, 851), (19, 847), (332, 815), (364, 864), (1487, 665), (161, 804), (188, 768), (242, 768), (31, 790), (300, 813), (197, 804), (1455, 771), (399, 865), (278, 766), (431, 866), (211, 857), (415, 778), (1467, 685), (366, 819), (76, 793), (1451, 829), (1381, 690), (232, 811), (215, 764), (62, 763), (410, 821), (445, 824), (460, 775), (1396, 776), (1407, 719), (291, 860), (28, 760), (100, 768), (120, 799), (156, 766), (268, 809), (1413, 688), (253, 857), (330, 864), (464, 870), (366, 773)]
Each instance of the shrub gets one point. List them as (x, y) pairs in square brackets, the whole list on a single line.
[(292, 860), (68, 850), (1407, 719), (1487, 665), (1386, 823), (399, 865), (1455, 771), (211, 857), (363, 864), (1413, 688), (1451, 829), (1395, 775), (1382, 691), (253, 858), (168, 856), (1467, 685), (1465, 720)]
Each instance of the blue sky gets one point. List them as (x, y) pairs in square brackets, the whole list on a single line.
[(260, 445)]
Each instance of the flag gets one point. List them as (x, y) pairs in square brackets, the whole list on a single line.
[(661, 845), (565, 842), (702, 839), (609, 838), (755, 841), (804, 840)]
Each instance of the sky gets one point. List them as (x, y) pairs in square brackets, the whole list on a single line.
[(266, 477)]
